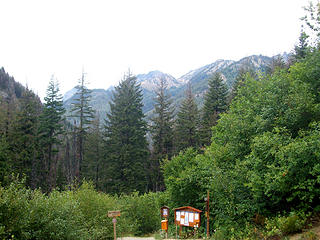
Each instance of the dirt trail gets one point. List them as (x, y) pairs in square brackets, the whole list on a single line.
[(136, 238), (315, 229)]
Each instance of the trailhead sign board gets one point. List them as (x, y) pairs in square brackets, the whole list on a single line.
[(187, 216), (165, 212)]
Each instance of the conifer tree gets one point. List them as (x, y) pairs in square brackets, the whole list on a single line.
[(5, 162), (301, 49), (51, 129), (187, 129), (126, 144), (92, 165), (239, 82), (215, 103), (24, 138), (83, 114), (161, 134)]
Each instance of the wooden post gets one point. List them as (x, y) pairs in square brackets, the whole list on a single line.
[(176, 231), (167, 229), (114, 220), (208, 232), (113, 215)]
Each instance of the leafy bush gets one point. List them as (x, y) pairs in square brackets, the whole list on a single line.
[(142, 212), (56, 216), (284, 225), (94, 206), (187, 179), (282, 171), (14, 205)]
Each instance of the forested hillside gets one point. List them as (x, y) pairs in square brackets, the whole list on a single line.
[(253, 144)]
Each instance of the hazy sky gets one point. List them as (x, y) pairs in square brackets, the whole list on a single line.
[(41, 37)]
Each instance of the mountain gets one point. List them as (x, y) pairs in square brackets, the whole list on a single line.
[(198, 78), (203, 72), (11, 100), (228, 69), (99, 101), (150, 80), (10, 90), (149, 83), (69, 94)]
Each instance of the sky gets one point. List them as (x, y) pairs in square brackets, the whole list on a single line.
[(41, 38)]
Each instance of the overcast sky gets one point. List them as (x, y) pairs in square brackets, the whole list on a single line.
[(41, 37)]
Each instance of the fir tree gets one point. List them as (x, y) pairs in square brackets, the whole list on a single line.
[(92, 166), (301, 49), (126, 144), (51, 129), (242, 75), (23, 138), (215, 103), (83, 114), (161, 134), (187, 129)]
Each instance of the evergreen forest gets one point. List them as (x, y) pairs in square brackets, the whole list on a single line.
[(254, 147)]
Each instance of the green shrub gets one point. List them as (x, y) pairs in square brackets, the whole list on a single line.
[(76, 214), (95, 206), (14, 204), (57, 216), (142, 212), (284, 225)]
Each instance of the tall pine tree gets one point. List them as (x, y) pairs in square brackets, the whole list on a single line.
[(161, 134), (215, 103), (83, 113), (126, 144), (51, 129), (187, 128), (302, 48)]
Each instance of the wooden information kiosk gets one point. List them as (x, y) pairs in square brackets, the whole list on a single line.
[(187, 216)]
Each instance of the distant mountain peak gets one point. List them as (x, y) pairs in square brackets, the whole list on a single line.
[(151, 80), (69, 94)]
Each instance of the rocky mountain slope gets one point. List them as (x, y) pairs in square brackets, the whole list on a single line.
[(150, 80)]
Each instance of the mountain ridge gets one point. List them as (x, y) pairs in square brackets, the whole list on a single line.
[(176, 87)]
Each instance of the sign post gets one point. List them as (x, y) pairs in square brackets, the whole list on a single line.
[(114, 220), (165, 214), (208, 215), (114, 215)]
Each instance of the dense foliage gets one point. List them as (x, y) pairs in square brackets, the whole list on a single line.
[(80, 213), (264, 155)]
